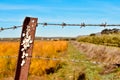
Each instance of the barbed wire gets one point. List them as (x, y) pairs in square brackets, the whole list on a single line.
[(81, 25), (63, 25), (8, 28), (62, 59), (8, 56)]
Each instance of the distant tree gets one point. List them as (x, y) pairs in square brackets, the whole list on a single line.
[(110, 31), (105, 31), (92, 34), (115, 30)]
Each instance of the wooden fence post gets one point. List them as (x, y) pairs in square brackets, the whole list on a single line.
[(25, 50)]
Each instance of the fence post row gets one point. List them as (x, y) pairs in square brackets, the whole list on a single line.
[(26, 46)]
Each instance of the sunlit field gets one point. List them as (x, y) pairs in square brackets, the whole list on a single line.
[(49, 49), (65, 68), (106, 39)]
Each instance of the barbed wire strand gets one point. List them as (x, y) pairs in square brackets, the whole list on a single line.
[(63, 25), (61, 59), (81, 25), (8, 28)]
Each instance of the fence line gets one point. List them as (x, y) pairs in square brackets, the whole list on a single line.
[(63, 25), (8, 28), (26, 45), (62, 59), (81, 25)]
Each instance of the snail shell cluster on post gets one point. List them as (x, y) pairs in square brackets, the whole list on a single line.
[(26, 44)]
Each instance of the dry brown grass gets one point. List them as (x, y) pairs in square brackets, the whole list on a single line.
[(38, 67), (100, 53)]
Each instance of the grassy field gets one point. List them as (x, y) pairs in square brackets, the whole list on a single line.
[(81, 70), (65, 69), (38, 67), (106, 39), (98, 71)]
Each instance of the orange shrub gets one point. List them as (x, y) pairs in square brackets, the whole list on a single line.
[(49, 49), (7, 66)]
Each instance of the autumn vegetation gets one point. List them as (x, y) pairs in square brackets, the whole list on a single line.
[(82, 49), (109, 37), (49, 49)]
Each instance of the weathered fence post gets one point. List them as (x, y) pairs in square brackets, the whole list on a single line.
[(26, 46)]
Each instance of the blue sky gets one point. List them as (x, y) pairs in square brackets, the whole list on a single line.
[(13, 12)]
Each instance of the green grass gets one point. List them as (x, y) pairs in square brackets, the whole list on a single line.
[(71, 70), (106, 39)]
